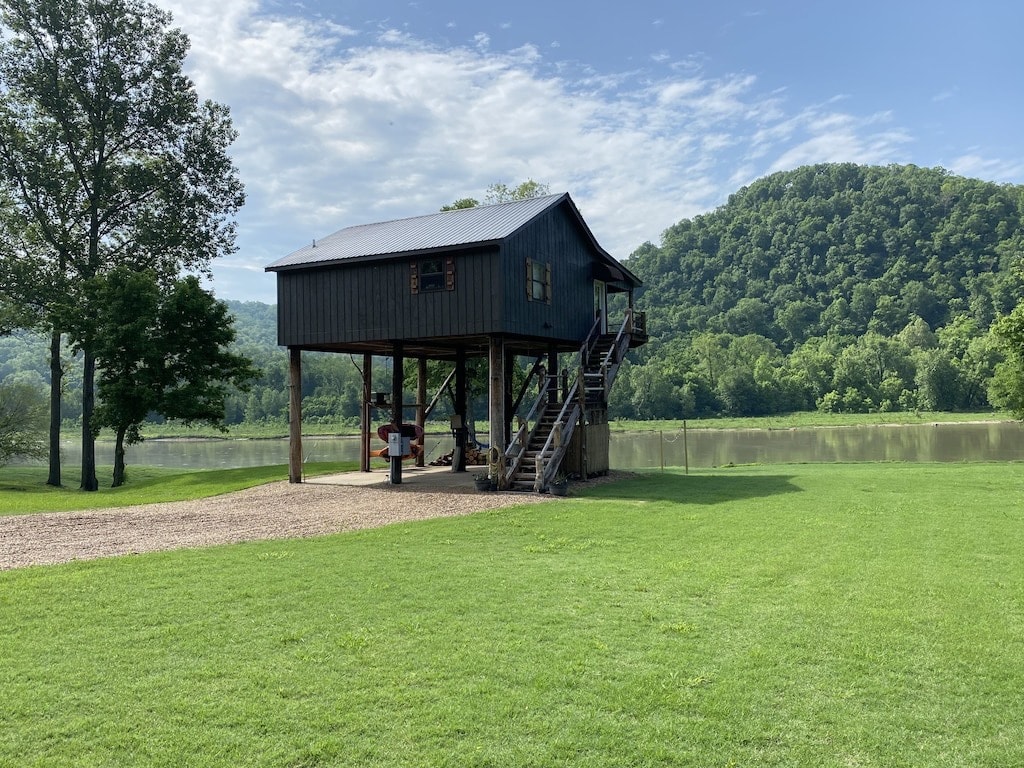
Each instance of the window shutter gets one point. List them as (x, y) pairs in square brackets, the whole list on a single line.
[(529, 279), (414, 278), (449, 273), (547, 282)]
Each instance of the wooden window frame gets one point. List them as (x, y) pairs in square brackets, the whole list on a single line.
[(538, 281), (422, 281)]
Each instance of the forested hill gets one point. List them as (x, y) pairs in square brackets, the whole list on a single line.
[(833, 286), (838, 248)]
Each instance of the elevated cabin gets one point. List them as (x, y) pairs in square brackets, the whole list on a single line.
[(525, 278)]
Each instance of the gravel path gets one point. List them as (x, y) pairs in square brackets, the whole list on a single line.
[(274, 511)]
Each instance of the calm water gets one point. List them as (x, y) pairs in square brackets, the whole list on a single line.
[(997, 441)]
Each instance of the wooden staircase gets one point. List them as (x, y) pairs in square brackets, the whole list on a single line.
[(535, 455), (525, 476)]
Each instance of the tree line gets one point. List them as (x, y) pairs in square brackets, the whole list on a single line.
[(116, 189), (835, 287)]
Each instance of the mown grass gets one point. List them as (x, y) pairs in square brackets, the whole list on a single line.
[(866, 614), (777, 421), (254, 431), (809, 419), (23, 489)]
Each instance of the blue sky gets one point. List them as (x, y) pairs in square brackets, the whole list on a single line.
[(645, 112)]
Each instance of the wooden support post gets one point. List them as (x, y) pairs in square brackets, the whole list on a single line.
[(421, 407), (294, 415), (582, 424), (461, 432), (496, 393), (397, 396), (365, 425), (506, 388)]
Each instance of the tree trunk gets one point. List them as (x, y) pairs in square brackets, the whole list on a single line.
[(119, 459), (56, 377), (89, 482)]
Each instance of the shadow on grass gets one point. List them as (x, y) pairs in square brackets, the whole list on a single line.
[(693, 489)]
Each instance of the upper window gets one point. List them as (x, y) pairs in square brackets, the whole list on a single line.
[(538, 280), (432, 275)]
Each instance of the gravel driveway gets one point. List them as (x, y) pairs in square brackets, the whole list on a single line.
[(274, 511)]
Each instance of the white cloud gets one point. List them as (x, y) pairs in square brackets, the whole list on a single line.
[(340, 126), (988, 168)]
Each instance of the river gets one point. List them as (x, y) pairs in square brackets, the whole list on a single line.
[(987, 441)]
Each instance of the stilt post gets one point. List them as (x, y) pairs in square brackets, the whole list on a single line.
[(365, 414), (496, 394), (397, 395), (294, 415), (421, 407), (462, 429)]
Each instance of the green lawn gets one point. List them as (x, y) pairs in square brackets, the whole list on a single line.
[(23, 489), (805, 419), (777, 421), (806, 615)]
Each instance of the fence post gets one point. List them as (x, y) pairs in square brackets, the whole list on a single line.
[(686, 449)]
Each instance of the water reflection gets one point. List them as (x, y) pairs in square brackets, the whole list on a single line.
[(226, 454), (989, 441)]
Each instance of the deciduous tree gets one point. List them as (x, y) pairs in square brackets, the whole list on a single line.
[(107, 156), (162, 352), (22, 422)]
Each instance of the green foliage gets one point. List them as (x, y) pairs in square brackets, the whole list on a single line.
[(801, 616), (22, 422), (463, 202), (502, 193), (162, 351), (107, 157), (757, 308), (198, 368), (1006, 388), (875, 288)]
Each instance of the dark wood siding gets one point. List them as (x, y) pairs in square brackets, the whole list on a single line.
[(373, 300), (553, 238)]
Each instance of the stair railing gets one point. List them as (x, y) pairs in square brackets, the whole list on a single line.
[(617, 351), (549, 458), (528, 426)]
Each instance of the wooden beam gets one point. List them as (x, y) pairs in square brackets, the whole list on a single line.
[(437, 395), (582, 425), (397, 396), (461, 432), (496, 391), (506, 434), (421, 407), (294, 415), (365, 422), (537, 365)]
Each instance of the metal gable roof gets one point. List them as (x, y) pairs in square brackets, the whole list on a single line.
[(447, 229)]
